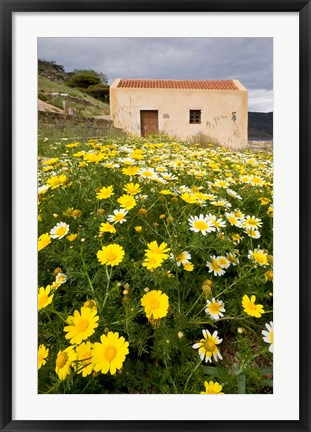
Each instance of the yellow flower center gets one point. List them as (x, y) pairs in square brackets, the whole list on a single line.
[(119, 216), (110, 353), (271, 337), (154, 304), (209, 345), (252, 222), (181, 257), (251, 306), (200, 225), (232, 220), (153, 260), (111, 256), (215, 265), (260, 257), (40, 358), (82, 325), (147, 174), (61, 360), (214, 308), (61, 231)]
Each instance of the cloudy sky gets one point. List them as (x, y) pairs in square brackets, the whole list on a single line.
[(250, 60)]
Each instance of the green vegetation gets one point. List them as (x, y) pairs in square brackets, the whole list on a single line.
[(88, 87), (155, 267)]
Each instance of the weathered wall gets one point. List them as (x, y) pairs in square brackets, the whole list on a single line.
[(173, 105)]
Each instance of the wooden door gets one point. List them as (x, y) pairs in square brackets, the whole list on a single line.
[(149, 123)]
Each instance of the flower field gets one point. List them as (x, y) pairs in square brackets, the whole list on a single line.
[(155, 268)]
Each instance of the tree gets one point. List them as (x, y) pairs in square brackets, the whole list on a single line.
[(102, 76), (83, 80)]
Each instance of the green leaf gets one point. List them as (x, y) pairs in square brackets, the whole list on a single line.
[(241, 383), (266, 371), (267, 382), (210, 370)]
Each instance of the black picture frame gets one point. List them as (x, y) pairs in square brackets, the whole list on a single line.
[(8, 7)]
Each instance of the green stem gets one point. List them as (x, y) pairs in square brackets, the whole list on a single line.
[(51, 309), (194, 304), (234, 283), (191, 373), (86, 272), (108, 285)]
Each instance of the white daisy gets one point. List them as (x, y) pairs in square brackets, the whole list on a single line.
[(251, 222), (148, 173), (182, 258), (234, 260), (215, 308), (208, 346), (59, 230), (268, 335), (43, 189), (252, 233), (118, 216), (221, 183), (223, 262), (60, 278), (233, 220), (233, 194), (201, 224), (217, 223), (214, 266)]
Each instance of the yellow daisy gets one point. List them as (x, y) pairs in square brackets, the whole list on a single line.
[(252, 309), (43, 241), (107, 227), (43, 352), (82, 325), (111, 255), (44, 297), (212, 388), (156, 304), (105, 192), (152, 261), (110, 353), (131, 170), (127, 202), (154, 248), (84, 359), (64, 360), (132, 188), (57, 181)]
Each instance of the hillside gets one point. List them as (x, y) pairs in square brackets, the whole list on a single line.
[(53, 89), (260, 126)]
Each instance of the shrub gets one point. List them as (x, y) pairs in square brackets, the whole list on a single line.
[(99, 91)]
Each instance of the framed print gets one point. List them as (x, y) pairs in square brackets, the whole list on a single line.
[(155, 215)]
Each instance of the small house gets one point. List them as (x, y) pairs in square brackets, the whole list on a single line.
[(216, 109)]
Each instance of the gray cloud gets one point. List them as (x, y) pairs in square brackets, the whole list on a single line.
[(249, 60)]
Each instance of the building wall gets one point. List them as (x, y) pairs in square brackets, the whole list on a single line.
[(173, 105)]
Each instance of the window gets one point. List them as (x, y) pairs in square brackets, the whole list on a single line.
[(195, 116)]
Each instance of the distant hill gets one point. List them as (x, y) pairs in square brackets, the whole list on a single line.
[(260, 126)]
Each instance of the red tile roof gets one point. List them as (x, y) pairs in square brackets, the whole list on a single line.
[(179, 84)]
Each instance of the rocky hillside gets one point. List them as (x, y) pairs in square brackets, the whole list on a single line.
[(260, 126)]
